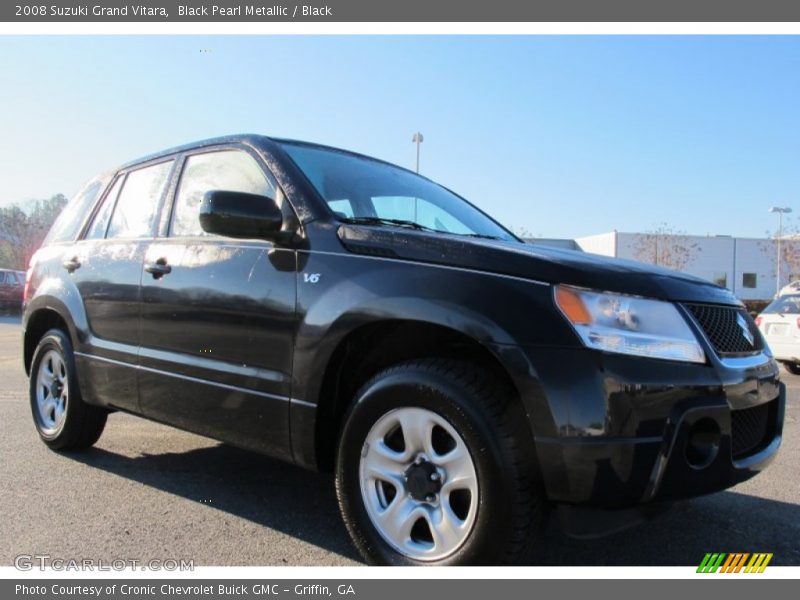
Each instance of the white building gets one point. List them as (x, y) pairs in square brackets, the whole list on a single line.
[(746, 266)]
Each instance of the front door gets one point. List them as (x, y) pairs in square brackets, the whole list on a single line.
[(218, 317)]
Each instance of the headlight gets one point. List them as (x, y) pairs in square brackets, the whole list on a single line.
[(629, 325)]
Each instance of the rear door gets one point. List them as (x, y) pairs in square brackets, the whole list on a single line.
[(218, 315), (106, 268)]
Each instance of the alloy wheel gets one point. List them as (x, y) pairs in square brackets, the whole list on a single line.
[(52, 392), (418, 483)]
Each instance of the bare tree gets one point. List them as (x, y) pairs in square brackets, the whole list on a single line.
[(23, 230), (789, 252), (666, 247), (522, 232)]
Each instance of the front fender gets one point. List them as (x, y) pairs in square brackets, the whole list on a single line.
[(340, 293)]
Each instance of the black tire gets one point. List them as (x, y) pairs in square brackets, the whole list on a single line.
[(82, 423), (793, 368), (511, 506)]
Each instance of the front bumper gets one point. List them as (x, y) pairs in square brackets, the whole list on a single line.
[(626, 431)]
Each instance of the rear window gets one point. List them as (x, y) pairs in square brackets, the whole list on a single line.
[(136, 209), (785, 305), (69, 222)]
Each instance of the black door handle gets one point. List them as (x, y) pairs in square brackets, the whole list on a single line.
[(72, 264), (159, 268)]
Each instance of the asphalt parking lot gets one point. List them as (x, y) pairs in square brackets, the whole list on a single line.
[(150, 492)]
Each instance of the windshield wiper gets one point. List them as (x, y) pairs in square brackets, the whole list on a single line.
[(411, 225), (484, 236), (384, 221)]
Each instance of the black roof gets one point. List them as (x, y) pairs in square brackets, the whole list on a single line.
[(252, 139), (227, 139)]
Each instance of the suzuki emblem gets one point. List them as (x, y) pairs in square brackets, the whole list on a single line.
[(748, 335)]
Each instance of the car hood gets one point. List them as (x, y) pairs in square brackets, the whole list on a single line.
[(532, 261)]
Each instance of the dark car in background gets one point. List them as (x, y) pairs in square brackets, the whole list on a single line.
[(12, 284), (345, 314)]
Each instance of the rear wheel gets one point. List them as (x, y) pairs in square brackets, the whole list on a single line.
[(435, 467), (64, 421)]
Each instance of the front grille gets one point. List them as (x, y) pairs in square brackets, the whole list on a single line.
[(726, 327), (750, 429)]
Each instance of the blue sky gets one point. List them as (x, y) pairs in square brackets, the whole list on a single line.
[(565, 136)]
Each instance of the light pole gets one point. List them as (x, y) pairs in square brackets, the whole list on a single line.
[(417, 139), (781, 211)]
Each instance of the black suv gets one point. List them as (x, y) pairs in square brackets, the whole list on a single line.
[(345, 314)]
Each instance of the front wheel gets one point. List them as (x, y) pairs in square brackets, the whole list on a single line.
[(64, 421), (435, 466)]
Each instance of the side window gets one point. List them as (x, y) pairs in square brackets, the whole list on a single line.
[(229, 170), (2, 277), (135, 212), (69, 222), (97, 230)]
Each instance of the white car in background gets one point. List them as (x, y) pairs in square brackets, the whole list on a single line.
[(779, 323), (792, 288)]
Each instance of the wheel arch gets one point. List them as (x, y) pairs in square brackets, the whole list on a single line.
[(371, 347), (39, 320), (54, 303)]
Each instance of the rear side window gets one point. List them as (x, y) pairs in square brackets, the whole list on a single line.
[(135, 211), (69, 222), (97, 230), (229, 170)]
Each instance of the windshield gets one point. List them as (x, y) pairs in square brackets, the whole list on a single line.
[(359, 189), (784, 305)]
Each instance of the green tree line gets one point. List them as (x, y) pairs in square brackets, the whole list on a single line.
[(22, 230)]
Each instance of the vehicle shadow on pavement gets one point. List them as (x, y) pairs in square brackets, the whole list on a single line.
[(723, 522), (302, 504), (268, 492)]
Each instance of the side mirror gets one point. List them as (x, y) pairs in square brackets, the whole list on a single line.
[(240, 215)]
